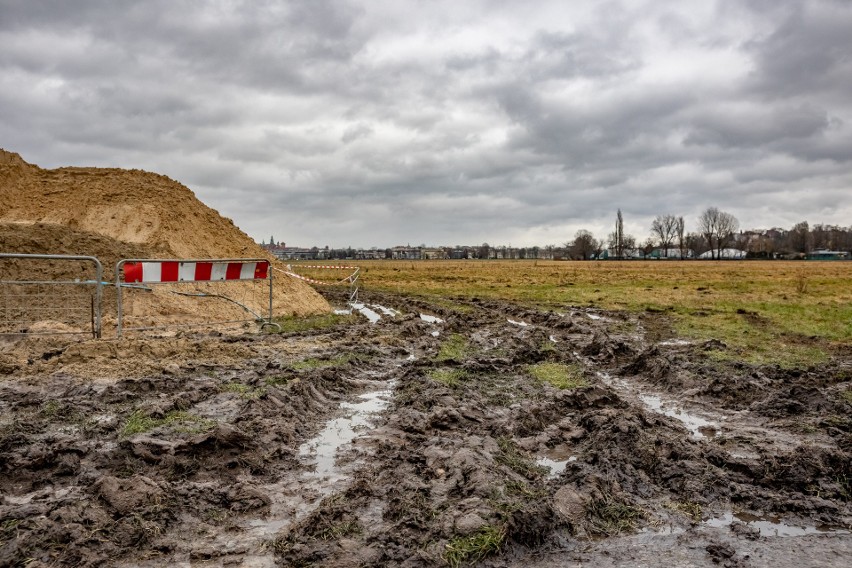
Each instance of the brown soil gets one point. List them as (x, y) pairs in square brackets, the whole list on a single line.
[(227, 467), (114, 214)]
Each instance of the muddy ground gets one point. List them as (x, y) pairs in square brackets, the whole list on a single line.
[(419, 441)]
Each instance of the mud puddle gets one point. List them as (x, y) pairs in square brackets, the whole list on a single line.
[(773, 526), (321, 451), (365, 311), (699, 427)]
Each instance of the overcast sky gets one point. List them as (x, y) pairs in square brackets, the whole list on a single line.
[(385, 122)]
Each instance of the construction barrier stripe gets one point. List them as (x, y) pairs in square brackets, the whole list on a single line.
[(318, 282), (326, 266), (176, 271)]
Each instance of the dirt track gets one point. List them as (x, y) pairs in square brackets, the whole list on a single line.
[(219, 451)]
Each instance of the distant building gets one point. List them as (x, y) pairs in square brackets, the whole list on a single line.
[(828, 255), (724, 254)]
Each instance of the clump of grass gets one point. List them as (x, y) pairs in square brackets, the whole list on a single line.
[(139, 422), (336, 531), (179, 420), (801, 282), (318, 322), (50, 409), (450, 377), (558, 375), (689, 508), (512, 457), (471, 549), (847, 395), (609, 516), (455, 348), (317, 363), (244, 391), (278, 380)]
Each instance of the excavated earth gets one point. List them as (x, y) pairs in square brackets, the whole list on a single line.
[(421, 439)]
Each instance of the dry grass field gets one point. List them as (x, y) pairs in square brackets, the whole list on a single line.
[(790, 313)]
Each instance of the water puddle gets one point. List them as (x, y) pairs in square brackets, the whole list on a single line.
[(674, 342), (770, 526), (293, 499), (367, 312), (556, 467), (431, 319), (390, 312), (556, 460), (340, 312), (699, 427), (518, 323), (322, 450)]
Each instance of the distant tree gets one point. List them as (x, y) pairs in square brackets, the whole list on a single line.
[(695, 243), (616, 239), (584, 245), (648, 247), (681, 238), (484, 251), (718, 229), (800, 238), (664, 227)]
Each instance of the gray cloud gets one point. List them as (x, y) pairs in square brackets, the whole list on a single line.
[(376, 123)]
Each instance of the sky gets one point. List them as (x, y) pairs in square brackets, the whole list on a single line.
[(442, 122)]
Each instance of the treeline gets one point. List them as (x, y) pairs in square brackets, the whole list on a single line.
[(717, 235)]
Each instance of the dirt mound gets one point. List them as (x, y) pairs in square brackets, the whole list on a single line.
[(143, 214)]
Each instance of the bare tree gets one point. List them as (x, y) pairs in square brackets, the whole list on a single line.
[(584, 245), (664, 228), (618, 241), (800, 238), (717, 228)]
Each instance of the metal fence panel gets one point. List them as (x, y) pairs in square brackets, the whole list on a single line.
[(50, 294)]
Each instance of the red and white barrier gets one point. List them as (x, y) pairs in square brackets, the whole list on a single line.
[(176, 271), (348, 280)]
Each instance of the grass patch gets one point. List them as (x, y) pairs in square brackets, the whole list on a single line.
[(455, 348), (449, 377), (847, 395), (558, 375), (318, 363), (50, 409), (465, 550), (244, 391), (752, 338), (179, 420), (794, 299), (608, 516), (278, 380), (319, 322)]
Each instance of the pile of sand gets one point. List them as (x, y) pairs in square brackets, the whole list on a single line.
[(113, 213)]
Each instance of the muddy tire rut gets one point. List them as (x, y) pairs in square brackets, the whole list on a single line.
[(462, 433)]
